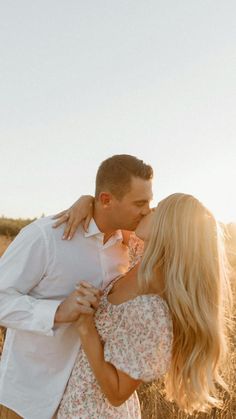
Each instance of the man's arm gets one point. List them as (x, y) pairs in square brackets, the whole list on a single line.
[(22, 267)]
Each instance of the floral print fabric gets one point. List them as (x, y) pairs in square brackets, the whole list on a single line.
[(137, 338), (135, 249), (141, 345)]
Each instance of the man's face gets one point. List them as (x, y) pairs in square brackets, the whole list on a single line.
[(127, 213)]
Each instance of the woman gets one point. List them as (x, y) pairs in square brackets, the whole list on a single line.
[(166, 316)]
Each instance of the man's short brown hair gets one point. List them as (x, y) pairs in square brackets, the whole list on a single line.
[(115, 174)]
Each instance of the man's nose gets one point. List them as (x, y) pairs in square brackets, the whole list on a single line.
[(146, 210)]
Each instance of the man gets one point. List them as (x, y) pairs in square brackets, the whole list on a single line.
[(38, 276)]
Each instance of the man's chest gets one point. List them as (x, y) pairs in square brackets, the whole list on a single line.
[(89, 262)]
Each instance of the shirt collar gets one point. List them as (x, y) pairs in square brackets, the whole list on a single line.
[(93, 230)]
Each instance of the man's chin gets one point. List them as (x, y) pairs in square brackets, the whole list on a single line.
[(136, 231), (135, 226), (131, 227)]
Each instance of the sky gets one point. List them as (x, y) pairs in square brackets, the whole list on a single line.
[(83, 80)]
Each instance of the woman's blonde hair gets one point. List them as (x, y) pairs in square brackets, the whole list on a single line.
[(187, 246)]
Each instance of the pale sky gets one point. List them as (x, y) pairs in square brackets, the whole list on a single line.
[(83, 80)]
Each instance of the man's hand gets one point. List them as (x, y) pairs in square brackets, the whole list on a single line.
[(84, 300)]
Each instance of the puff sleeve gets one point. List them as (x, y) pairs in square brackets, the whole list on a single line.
[(141, 345)]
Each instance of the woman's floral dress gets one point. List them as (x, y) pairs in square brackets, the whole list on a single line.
[(137, 337)]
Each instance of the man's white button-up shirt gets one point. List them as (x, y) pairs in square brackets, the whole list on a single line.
[(37, 272)]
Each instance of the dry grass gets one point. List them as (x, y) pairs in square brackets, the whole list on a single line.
[(153, 403), (4, 242), (155, 406)]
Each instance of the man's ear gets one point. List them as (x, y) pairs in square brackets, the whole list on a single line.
[(105, 199)]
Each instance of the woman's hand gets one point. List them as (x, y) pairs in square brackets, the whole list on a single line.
[(78, 302), (80, 212), (89, 297)]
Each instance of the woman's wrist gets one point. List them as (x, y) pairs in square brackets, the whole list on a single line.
[(85, 325), (85, 200)]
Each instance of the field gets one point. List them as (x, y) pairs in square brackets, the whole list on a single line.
[(154, 405)]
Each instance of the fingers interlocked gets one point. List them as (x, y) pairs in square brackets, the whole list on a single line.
[(88, 296)]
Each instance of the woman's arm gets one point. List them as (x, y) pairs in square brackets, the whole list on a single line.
[(116, 385), (80, 212)]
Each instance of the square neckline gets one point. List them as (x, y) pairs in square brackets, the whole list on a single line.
[(109, 287)]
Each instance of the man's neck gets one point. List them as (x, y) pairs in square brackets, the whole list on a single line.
[(103, 225)]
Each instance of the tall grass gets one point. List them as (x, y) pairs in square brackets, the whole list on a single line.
[(10, 227)]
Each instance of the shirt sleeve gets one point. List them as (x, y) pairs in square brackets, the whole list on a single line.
[(22, 267), (142, 343)]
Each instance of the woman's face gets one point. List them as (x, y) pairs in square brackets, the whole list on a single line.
[(144, 228)]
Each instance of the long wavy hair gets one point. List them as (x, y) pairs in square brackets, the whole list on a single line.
[(187, 247)]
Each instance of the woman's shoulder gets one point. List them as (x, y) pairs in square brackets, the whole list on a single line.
[(153, 301), (142, 343), (149, 309)]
